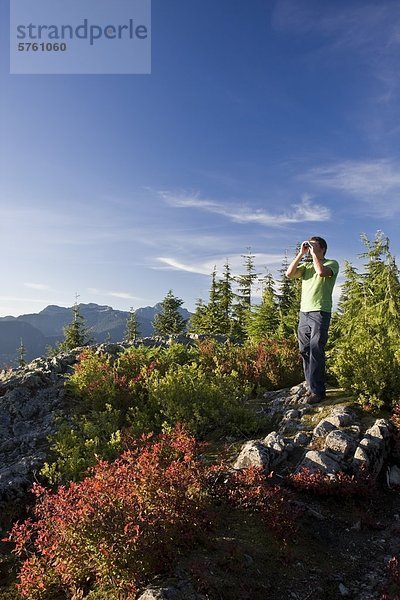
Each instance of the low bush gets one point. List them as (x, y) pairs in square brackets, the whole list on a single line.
[(98, 379), (202, 400), (116, 528), (369, 367), (130, 520), (77, 445), (341, 484), (270, 364), (206, 386)]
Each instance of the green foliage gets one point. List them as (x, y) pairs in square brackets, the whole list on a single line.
[(109, 393), (206, 386), (289, 295), (203, 401), (169, 321), (198, 321), (263, 321), (77, 446), (270, 364), (233, 314), (76, 333), (216, 317), (365, 356), (132, 327), (21, 354), (246, 281)]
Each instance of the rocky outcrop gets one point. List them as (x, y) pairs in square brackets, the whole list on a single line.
[(30, 400), (336, 443)]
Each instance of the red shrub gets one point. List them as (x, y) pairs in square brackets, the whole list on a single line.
[(117, 527), (129, 520), (340, 485)]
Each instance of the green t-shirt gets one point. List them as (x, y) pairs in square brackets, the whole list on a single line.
[(316, 291)]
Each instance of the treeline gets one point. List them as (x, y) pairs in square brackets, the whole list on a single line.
[(231, 311), (364, 344)]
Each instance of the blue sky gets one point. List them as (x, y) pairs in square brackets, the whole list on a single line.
[(261, 124)]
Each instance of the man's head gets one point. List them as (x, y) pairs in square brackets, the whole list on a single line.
[(321, 242)]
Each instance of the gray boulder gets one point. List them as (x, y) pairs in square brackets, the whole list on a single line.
[(339, 444), (316, 460), (254, 454)]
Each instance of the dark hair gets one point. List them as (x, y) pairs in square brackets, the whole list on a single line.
[(321, 242)]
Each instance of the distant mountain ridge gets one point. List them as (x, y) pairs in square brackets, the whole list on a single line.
[(40, 330)]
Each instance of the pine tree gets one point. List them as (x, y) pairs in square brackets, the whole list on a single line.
[(76, 334), (242, 306), (365, 355), (198, 321), (224, 302), (263, 320), (21, 354), (215, 318), (246, 281), (169, 321), (132, 327), (212, 316)]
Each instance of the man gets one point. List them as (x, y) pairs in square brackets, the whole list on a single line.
[(318, 279)]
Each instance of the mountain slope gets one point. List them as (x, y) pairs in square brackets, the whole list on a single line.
[(46, 328)]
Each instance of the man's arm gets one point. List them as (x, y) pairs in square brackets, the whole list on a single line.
[(293, 270)]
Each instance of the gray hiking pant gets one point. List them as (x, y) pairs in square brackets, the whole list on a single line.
[(313, 335)]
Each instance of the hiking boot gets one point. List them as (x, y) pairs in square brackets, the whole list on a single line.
[(315, 398)]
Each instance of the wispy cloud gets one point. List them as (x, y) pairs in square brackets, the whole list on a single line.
[(112, 294), (37, 286), (176, 265), (305, 210), (261, 260), (375, 183)]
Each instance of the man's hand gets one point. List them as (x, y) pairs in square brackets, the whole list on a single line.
[(312, 246), (305, 247)]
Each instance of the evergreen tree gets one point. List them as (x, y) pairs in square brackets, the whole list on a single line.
[(76, 334), (289, 295), (198, 321), (132, 327), (263, 320), (242, 306), (21, 354), (246, 281), (213, 314), (215, 318), (224, 301), (169, 321), (365, 355)]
